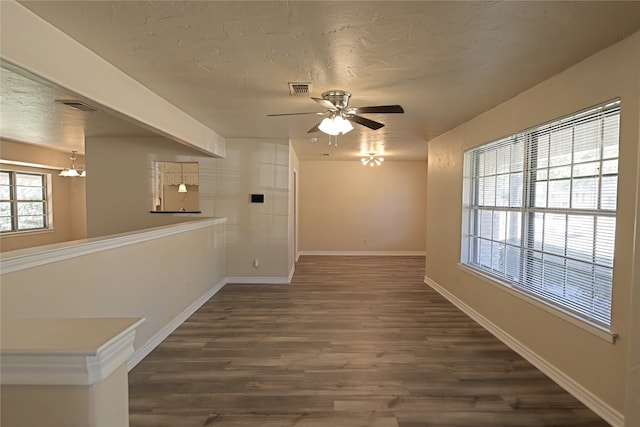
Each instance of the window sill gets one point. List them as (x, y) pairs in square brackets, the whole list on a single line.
[(594, 329), (26, 233)]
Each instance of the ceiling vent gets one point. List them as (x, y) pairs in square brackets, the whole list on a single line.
[(299, 88), (78, 105)]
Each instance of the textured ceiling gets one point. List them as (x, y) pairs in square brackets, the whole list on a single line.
[(228, 64), (30, 113)]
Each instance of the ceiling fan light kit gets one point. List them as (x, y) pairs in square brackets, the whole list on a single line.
[(335, 125)]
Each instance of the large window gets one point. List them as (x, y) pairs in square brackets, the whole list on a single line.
[(540, 211), (23, 201)]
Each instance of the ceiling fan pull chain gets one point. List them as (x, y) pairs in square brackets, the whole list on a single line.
[(333, 140)]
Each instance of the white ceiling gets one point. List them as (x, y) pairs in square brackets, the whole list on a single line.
[(228, 64)]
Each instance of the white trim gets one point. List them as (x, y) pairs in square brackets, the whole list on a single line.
[(155, 341), (609, 414), (34, 257), (41, 367), (258, 280), (291, 273), (30, 165), (364, 253), (557, 311)]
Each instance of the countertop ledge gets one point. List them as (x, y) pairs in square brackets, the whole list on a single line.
[(64, 351)]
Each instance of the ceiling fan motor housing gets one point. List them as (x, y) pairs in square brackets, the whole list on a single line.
[(339, 98)]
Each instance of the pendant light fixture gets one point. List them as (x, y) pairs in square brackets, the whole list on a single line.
[(182, 188), (72, 171)]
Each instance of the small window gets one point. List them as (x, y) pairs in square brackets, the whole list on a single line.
[(23, 201), (539, 211)]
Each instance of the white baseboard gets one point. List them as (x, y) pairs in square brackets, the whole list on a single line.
[(609, 414), (258, 280), (148, 347), (364, 253), (263, 280)]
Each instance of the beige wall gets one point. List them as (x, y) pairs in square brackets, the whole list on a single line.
[(597, 367), (632, 413), (120, 182), (346, 207), (255, 230), (119, 195), (119, 198), (68, 196), (176, 201)]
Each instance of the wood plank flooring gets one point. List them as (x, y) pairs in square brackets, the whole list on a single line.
[(352, 341)]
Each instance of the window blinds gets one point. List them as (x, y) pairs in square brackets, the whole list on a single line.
[(539, 211)]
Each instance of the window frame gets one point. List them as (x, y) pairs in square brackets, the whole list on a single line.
[(471, 237), (14, 203)]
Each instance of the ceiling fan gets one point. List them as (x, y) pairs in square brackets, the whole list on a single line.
[(339, 115)]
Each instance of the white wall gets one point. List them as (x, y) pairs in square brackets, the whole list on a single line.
[(157, 279), (596, 369), (348, 208)]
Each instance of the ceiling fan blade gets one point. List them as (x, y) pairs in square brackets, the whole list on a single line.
[(380, 109), (365, 122), (325, 103), (290, 114), (314, 129)]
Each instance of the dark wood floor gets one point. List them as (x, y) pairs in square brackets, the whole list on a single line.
[(353, 341)]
